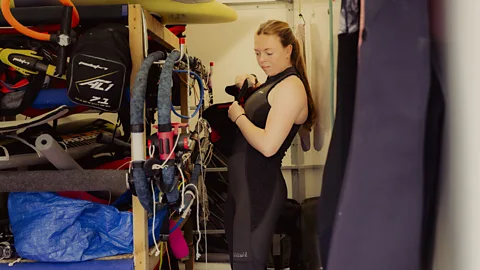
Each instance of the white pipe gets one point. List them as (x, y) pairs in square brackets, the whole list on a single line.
[(137, 147)]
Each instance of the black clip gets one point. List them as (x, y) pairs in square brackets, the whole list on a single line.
[(301, 17), (153, 168), (130, 184)]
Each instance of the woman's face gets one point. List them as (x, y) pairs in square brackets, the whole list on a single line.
[(272, 57)]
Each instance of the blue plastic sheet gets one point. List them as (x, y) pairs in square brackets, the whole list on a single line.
[(51, 228), (126, 264)]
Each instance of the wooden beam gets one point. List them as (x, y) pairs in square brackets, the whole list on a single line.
[(140, 221), (188, 227), (160, 33), (188, 234), (155, 29), (140, 236), (136, 40)]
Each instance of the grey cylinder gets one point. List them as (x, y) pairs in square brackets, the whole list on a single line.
[(50, 148)]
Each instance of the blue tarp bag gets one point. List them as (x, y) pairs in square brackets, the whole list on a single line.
[(50, 228)]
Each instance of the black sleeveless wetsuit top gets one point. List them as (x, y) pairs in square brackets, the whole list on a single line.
[(257, 108)]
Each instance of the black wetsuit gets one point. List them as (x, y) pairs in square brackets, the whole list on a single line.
[(257, 189)]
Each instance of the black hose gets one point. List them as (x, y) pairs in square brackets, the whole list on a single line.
[(165, 93), (137, 105), (165, 123)]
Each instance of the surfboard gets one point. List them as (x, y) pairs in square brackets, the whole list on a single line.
[(170, 11)]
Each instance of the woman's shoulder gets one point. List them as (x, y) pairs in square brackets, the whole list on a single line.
[(292, 84), (289, 89)]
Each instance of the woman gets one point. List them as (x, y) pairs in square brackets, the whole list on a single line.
[(267, 126)]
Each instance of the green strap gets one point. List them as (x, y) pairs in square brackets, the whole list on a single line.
[(332, 65)]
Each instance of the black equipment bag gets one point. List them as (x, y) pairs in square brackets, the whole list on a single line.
[(100, 67)]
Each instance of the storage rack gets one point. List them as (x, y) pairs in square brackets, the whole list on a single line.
[(138, 20)]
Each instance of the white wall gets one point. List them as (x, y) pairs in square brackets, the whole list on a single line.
[(230, 45), (316, 16)]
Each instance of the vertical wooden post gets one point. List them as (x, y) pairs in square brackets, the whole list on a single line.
[(188, 227), (188, 233), (140, 221), (169, 41)]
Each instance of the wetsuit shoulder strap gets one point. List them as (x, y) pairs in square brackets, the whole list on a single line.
[(274, 80)]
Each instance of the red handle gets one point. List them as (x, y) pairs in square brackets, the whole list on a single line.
[(166, 142)]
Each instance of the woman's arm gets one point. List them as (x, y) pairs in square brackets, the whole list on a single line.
[(287, 103)]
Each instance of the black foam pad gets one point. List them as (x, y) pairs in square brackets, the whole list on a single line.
[(67, 180)]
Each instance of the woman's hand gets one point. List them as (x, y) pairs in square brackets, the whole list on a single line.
[(240, 79), (235, 111)]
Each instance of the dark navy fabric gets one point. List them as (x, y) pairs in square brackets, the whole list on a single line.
[(380, 215), (340, 143)]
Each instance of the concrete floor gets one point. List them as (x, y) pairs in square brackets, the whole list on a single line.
[(209, 266)]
